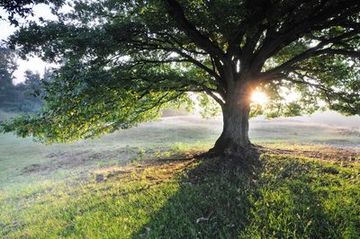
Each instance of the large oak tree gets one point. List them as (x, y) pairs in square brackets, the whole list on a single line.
[(124, 59)]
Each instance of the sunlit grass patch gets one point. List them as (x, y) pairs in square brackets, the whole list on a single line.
[(113, 207), (305, 198)]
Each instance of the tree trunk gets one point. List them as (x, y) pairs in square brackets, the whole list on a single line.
[(234, 139)]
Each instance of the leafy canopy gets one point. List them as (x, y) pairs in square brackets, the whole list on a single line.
[(121, 61), (13, 10)]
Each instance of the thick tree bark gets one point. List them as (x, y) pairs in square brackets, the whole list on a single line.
[(235, 127), (234, 139)]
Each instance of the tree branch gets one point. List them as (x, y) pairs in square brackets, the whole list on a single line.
[(176, 11), (315, 51), (219, 100), (274, 42), (329, 51)]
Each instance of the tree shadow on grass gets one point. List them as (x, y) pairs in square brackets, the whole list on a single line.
[(212, 202), (232, 200)]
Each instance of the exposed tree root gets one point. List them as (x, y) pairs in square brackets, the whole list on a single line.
[(247, 153)]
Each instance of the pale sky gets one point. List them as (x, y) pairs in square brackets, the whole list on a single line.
[(34, 64)]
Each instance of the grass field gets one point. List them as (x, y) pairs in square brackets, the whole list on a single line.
[(145, 183)]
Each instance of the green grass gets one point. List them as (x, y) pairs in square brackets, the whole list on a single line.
[(287, 197), (144, 183)]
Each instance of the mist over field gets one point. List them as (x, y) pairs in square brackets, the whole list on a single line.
[(331, 118), (320, 128), (326, 128)]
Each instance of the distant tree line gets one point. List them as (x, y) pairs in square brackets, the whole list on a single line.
[(23, 97)]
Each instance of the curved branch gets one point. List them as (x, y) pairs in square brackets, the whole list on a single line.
[(273, 43), (218, 99), (315, 51), (343, 52), (176, 11)]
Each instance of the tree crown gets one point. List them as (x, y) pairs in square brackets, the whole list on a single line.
[(123, 60)]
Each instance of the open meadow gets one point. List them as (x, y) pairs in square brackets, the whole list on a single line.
[(146, 183)]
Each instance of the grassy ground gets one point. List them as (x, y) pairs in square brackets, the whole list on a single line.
[(126, 185)]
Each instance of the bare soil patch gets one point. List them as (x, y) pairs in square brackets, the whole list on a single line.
[(67, 160), (165, 168), (74, 159), (324, 153)]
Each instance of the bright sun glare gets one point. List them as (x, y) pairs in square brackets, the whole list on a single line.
[(259, 97)]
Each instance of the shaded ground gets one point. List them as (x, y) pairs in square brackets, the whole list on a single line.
[(277, 199)]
